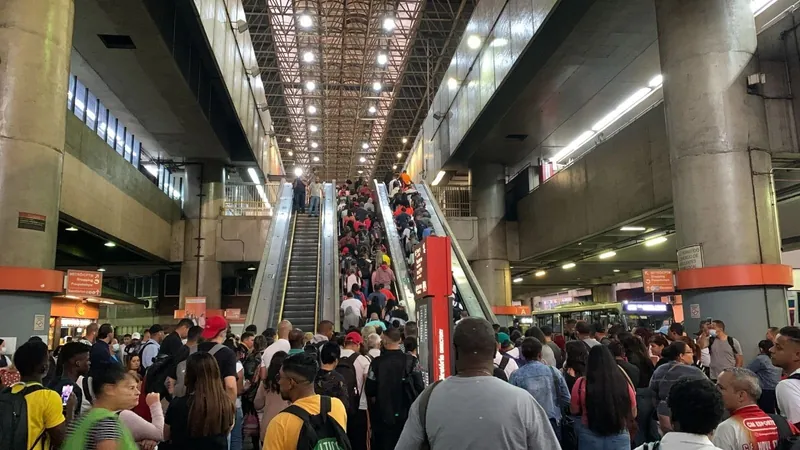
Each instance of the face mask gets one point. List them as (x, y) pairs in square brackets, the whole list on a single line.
[(184, 341), (712, 333), (115, 347), (2, 350)]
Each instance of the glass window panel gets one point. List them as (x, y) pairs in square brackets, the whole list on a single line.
[(91, 111), (111, 134), (80, 100), (120, 138), (128, 146), (71, 92), (161, 173), (137, 148), (102, 120)]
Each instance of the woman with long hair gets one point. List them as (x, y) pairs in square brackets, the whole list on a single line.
[(679, 364), (268, 400), (606, 402), (134, 364), (205, 415), (636, 354), (575, 364), (657, 345)]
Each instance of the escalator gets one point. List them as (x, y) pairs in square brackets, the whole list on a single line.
[(300, 292)]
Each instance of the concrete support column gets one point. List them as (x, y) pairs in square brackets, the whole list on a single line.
[(491, 266), (201, 274), (35, 45), (720, 161)]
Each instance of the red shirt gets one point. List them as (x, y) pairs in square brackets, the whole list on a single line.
[(388, 294)]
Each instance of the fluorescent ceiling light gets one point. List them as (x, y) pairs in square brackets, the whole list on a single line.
[(474, 42), (110, 244), (365, 146), (99, 269), (71, 229), (372, 110), (298, 171), (382, 58), (310, 85), (439, 177), (399, 155), (312, 109), (452, 83), (655, 241), (314, 145), (251, 267), (498, 42), (518, 280), (388, 23), (253, 175), (315, 159), (405, 140), (608, 254), (540, 273), (360, 172), (308, 57), (621, 109), (656, 81), (632, 228), (376, 86), (616, 270), (574, 145), (305, 21), (313, 128), (758, 6), (568, 266), (362, 159)]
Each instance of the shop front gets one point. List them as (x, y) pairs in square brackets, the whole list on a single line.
[(69, 317)]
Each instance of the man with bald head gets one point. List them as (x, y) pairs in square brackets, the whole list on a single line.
[(297, 340), (280, 345), (473, 409)]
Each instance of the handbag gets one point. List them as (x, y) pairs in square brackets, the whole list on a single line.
[(250, 427)]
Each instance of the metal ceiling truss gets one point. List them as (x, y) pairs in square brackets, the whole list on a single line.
[(345, 38)]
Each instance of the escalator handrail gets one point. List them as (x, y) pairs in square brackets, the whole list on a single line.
[(328, 307), (405, 292), (263, 300), (288, 260), (438, 218)]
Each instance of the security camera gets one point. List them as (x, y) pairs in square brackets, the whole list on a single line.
[(241, 26)]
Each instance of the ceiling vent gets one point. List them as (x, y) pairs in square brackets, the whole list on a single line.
[(516, 137), (117, 41)]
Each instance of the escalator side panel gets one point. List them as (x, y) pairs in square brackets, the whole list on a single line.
[(265, 300), (329, 260), (405, 291), (467, 284)]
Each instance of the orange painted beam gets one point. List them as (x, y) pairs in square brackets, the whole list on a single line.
[(735, 276), (27, 279)]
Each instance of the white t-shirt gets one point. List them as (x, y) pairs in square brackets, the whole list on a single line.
[(281, 345), (239, 368), (788, 394), (511, 367), (364, 363), (514, 353), (351, 302)]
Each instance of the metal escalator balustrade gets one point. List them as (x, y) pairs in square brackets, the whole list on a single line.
[(300, 296)]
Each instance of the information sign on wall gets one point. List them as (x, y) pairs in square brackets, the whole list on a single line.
[(432, 270), (690, 257), (30, 221), (658, 280), (84, 283)]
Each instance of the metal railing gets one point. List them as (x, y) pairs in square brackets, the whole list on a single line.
[(454, 201), (250, 199)]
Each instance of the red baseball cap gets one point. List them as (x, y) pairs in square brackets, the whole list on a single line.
[(214, 325), (354, 337)]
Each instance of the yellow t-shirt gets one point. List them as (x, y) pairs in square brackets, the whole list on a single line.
[(387, 259), (44, 411), (284, 429)]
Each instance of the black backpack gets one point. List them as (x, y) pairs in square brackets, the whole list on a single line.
[(347, 370), (786, 439), (155, 377), (14, 419), (320, 431), (730, 342)]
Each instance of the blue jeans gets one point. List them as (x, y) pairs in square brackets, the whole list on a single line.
[(588, 440), (235, 440), (313, 207)]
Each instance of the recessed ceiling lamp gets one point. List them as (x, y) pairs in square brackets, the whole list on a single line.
[(540, 273), (399, 154), (372, 110), (291, 153), (310, 85), (360, 172), (71, 229), (388, 23), (288, 139), (312, 109), (251, 267), (382, 58), (365, 146), (616, 270), (110, 244), (314, 145), (405, 140), (394, 167), (101, 269), (362, 159), (376, 86), (315, 159), (608, 254), (308, 57), (305, 21), (474, 42), (313, 128)]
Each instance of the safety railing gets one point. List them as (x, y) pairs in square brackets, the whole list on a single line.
[(454, 201), (250, 199)]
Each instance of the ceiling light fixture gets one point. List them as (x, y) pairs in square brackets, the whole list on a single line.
[(298, 171), (382, 58), (405, 140), (656, 81), (376, 86), (360, 172), (621, 109), (305, 21), (291, 153), (540, 273), (759, 6), (312, 109), (568, 266), (314, 145), (372, 110), (574, 145), (655, 241), (313, 128), (438, 178), (315, 159), (308, 57), (518, 280), (399, 155), (632, 228), (388, 23), (616, 270), (365, 146), (394, 167), (253, 175), (71, 229), (288, 139), (608, 254), (110, 244), (452, 83), (498, 42), (251, 267), (362, 159), (310, 85), (101, 269), (474, 42)]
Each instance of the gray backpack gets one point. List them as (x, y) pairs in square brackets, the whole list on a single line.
[(180, 373)]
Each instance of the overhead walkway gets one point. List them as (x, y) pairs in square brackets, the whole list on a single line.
[(298, 275)]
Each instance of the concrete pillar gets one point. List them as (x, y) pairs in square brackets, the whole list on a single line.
[(720, 161), (491, 266), (35, 45), (201, 274)]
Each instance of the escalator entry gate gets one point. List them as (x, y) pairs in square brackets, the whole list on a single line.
[(433, 286)]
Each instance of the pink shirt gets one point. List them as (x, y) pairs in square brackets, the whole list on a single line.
[(578, 400)]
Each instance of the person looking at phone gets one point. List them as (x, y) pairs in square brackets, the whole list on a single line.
[(73, 362)]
